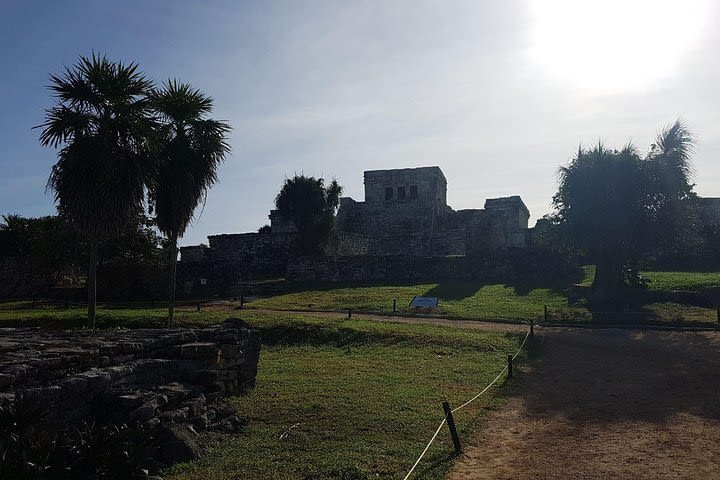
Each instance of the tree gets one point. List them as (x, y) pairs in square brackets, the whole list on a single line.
[(617, 206), (190, 150), (311, 207), (50, 245), (101, 123)]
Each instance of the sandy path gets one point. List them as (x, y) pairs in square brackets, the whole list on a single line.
[(607, 404)]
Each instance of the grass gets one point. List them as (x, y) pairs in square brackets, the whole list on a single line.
[(466, 299), (337, 398), (683, 280), (359, 404), (659, 280)]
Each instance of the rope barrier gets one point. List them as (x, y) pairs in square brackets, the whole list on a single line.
[(427, 447)]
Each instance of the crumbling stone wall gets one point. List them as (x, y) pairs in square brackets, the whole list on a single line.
[(251, 254), (166, 376)]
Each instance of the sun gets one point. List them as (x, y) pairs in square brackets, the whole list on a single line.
[(611, 45)]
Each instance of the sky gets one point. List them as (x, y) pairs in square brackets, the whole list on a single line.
[(499, 94)]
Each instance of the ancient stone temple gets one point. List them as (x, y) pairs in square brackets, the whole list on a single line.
[(405, 212), (404, 216)]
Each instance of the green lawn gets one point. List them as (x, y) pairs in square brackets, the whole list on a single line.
[(456, 298), (360, 403), (669, 280), (338, 398), (683, 280)]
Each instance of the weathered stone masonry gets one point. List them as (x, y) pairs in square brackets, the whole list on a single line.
[(160, 377)]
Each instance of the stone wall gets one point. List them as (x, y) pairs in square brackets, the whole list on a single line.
[(404, 185), (160, 378), (251, 255)]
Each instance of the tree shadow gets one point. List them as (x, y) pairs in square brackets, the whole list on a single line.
[(610, 375)]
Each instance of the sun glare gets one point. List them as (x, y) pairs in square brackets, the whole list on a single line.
[(611, 45)]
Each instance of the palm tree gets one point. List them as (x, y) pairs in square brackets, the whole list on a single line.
[(190, 150), (100, 122)]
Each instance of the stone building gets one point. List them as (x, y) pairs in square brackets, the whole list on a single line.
[(404, 214)]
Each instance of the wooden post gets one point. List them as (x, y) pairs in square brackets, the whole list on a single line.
[(395, 307), (242, 300), (198, 306), (532, 323), (546, 313), (349, 313), (510, 372), (451, 425), (718, 312)]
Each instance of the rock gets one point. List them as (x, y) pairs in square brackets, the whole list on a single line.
[(6, 379), (177, 443), (200, 423), (142, 413)]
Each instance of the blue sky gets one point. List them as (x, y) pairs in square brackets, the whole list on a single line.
[(498, 94)]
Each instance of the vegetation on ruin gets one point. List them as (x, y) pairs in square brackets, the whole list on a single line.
[(311, 206)]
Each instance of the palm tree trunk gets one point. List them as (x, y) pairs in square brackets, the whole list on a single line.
[(92, 282), (173, 276)]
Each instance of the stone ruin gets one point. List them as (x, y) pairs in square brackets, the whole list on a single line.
[(402, 225), (169, 380), (404, 214)]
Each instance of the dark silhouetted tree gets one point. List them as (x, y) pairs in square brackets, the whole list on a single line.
[(618, 206), (101, 124), (311, 207), (190, 149)]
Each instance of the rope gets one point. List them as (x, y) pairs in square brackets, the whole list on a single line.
[(427, 447)]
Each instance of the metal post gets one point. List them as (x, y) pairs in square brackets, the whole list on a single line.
[(510, 372), (349, 313), (395, 307), (451, 425), (546, 313)]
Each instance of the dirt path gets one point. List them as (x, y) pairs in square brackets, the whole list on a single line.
[(607, 404)]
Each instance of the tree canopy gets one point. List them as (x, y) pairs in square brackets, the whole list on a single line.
[(311, 207), (189, 149), (102, 124), (618, 205)]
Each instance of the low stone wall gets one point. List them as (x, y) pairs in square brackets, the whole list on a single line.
[(250, 255), (165, 378)]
